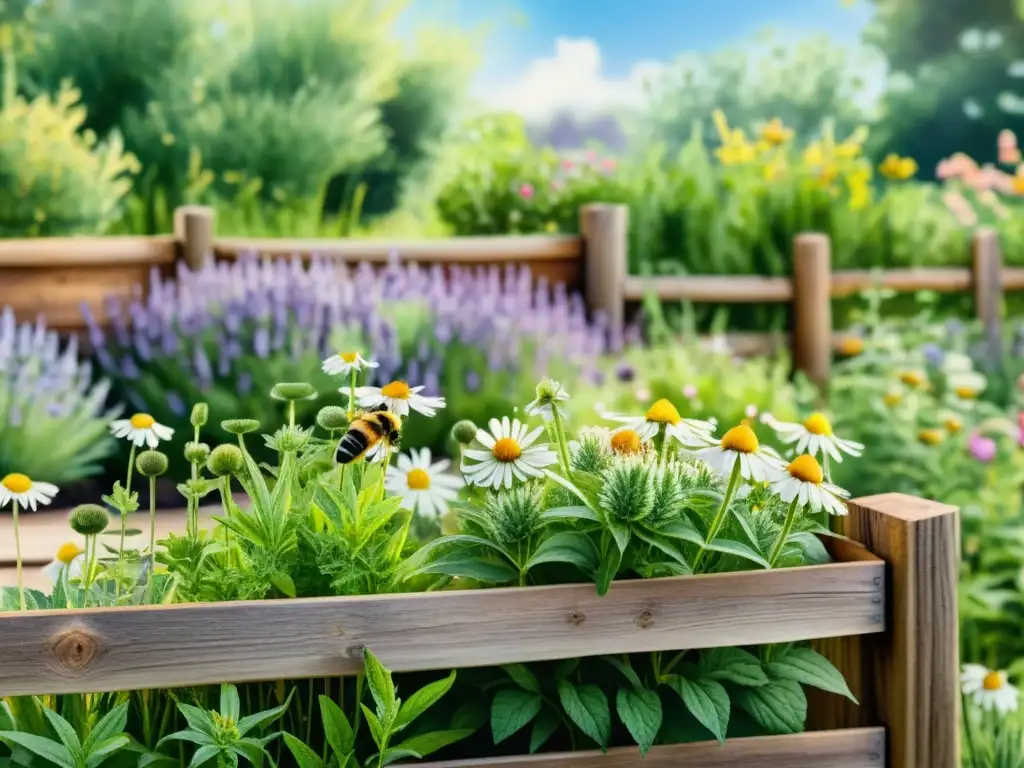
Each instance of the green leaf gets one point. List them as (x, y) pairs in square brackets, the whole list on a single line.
[(680, 528), (640, 711), (48, 749), (337, 729), (569, 547), (780, 707), (814, 550), (304, 756), (707, 701), (522, 677), (808, 667), (620, 533), (589, 499), (468, 565), (570, 513), (608, 569), (195, 737), (428, 743), (229, 704), (422, 700), (666, 548), (735, 665), (511, 710), (110, 725), (729, 547), (260, 719), (623, 665), (65, 733), (739, 514), (376, 729), (381, 686), (587, 706), (204, 754), (104, 749), (393, 754), (543, 726), (197, 719), (283, 583)]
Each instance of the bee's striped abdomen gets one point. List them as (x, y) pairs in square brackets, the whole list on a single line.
[(353, 445)]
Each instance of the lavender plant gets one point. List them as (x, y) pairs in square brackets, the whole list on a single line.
[(53, 417), (228, 333)]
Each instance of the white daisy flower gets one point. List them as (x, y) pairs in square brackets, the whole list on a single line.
[(989, 689), (689, 432), (141, 429), (550, 395), (966, 385), (399, 397), (804, 482), (70, 557), (345, 363), (758, 463), (25, 492), (815, 436), (425, 488), (510, 453)]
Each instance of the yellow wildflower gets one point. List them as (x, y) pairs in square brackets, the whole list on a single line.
[(851, 346), (896, 168), (1017, 181), (775, 133)]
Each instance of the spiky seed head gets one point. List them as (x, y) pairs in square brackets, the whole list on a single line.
[(151, 463), (240, 426), (89, 519), (197, 453), (464, 432), (293, 390), (514, 516), (590, 454), (200, 415), (627, 493), (332, 417), (225, 459)]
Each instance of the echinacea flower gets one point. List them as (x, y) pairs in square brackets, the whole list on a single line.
[(739, 447), (982, 448), (550, 396), (25, 492), (69, 557), (989, 689), (399, 397), (510, 454), (804, 482), (689, 432), (815, 436), (141, 429), (346, 363), (424, 486)]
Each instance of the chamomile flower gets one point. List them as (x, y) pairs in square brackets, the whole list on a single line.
[(966, 385), (399, 397), (70, 557), (989, 689), (689, 432), (815, 436), (740, 446), (804, 482), (510, 454), (550, 397), (141, 429), (424, 486), (25, 492), (346, 363)]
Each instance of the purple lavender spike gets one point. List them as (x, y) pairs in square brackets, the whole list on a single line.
[(176, 404), (244, 383), (472, 381)]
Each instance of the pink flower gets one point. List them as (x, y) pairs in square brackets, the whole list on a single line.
[(526, 191), (689, 391), (608, 164), (591, 156), (567, 164), (558, 185), (1009, 152), (956, 166), (961, 208), (1020, 429), (751, 411), (982, 448)]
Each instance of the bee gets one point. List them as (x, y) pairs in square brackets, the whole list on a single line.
[(367, 430)]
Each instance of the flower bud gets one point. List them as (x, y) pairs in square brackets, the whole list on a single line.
[(151, 463), (197, 453), (89, 519), (464, 432), (225, 459), (240, 426), (332, 417), (200, 415), (298, 390)]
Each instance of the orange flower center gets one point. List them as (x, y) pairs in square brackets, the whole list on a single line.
[(142, 421), (626, 441), (740, 439), (912, 378), (663, 412), (930, 436), (817, 424), (807, 469), (966, 393), (506, 449), (17, 482), (349, 357), (892, 399), (993, 681), (417, 480), (68, 552), (953, 425), (398, 390), (851, 346)]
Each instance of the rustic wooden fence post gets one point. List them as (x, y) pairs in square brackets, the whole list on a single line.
[(812, 306), (194, 231), (605, 232), (987, 276), (906, 679)]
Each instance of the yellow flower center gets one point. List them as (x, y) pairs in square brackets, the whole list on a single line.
[(892, 399), (993, 681), (142, 421), (417, 480), (506, 449), (966, 393), (740, 439), (930, 436), (663, 412), (912, 378), (626, 441), (349, 357), (398, 390), (851, 346), (807, 469), (817, 424), (68, 552), (17, 482), (953, 425)]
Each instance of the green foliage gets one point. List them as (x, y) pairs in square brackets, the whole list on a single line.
[(68, 750)]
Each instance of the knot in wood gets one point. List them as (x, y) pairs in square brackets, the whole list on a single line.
[(575, 618), (355, 651), (644, 619), (74, 649)]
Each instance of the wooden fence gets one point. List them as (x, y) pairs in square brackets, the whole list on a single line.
[(54, 276)]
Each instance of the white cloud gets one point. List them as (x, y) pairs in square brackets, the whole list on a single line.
[(571, 81)]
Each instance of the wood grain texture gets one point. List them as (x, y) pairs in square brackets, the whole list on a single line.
[(181, 645), (605, 234), (854, 748), (53, 252), (726, 289), (906, 679), (987, 273), (812, 306)]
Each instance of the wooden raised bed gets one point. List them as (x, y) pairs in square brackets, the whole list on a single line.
[(892, 602)]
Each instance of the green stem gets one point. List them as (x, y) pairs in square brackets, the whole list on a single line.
[(968, 732), (563, 449), (120, 556), (352, 394), (131, 466), (291, 413), (17, 556), (383, 472), (787, 526), (360, 678), (152, 536), (719, 519), (225, 494)]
